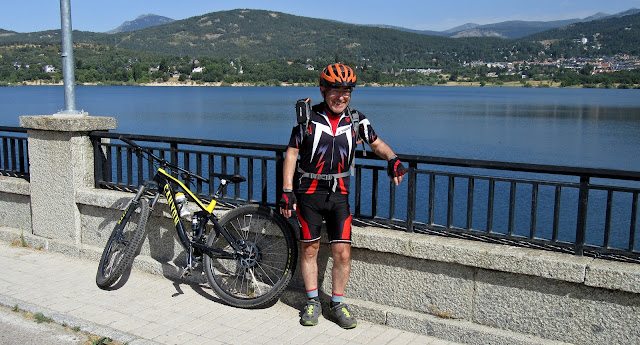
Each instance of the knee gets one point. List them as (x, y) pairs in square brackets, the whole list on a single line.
[(341, 253), (310, 250)]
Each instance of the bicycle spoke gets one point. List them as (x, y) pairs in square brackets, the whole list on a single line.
[(255, 282), (262, 267)]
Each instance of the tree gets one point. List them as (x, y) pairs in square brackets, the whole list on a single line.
[(587, 69)]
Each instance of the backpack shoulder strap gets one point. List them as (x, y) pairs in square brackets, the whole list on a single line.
[(354, 115), (303, 116)]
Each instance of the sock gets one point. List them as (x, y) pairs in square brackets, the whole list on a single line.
[(313, 294), (336, 299)]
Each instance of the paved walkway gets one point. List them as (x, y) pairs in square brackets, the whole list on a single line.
[(151, 309)]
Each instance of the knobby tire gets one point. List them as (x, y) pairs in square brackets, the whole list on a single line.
[(258, 279), (123, 245)]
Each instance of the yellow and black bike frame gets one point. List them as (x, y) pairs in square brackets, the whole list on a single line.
[(162, 184)]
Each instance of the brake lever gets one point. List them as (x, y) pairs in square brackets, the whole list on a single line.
[(187, 177)]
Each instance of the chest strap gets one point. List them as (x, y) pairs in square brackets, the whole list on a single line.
[(324, 177)]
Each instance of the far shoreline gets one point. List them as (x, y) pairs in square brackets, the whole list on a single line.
[(528, 84)]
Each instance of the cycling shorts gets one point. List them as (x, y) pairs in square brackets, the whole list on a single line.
[(333, 208)]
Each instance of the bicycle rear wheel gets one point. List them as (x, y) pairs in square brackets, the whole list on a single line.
[(123, 244), (258, 275)]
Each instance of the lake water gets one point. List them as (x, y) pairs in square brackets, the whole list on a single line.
[(578, 127)]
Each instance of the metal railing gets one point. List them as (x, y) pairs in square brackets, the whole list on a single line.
[(563, 208), (585, 211), (117, 167), (570, 209), (14, 158)]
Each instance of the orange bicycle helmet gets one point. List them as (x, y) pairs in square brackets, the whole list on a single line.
[(336, 75)]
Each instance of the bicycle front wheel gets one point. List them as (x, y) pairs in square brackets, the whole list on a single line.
[(123, 244), (258, 275)]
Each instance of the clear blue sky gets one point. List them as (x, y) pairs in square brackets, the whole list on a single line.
[(100, 16)]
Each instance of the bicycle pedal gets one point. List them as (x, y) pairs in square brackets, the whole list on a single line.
[(186, 272)]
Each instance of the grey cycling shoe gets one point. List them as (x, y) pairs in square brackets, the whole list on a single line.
[(310, 313), (342, 316)]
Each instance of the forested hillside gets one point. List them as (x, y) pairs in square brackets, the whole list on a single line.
[(610, 36), (255, 46), (263, 35)]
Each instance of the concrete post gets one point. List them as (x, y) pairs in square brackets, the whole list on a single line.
[(61, 162)]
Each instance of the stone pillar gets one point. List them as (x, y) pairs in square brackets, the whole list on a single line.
[(60, 162)]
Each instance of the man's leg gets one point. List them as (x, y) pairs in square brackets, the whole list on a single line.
[(341, 253), (309, 269), (309, 264), (340, 272)]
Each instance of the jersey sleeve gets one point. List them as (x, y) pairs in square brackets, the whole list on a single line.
[(295, 139), (366, 131)]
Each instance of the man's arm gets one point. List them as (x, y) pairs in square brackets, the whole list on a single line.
[(288, 171), (382, 150)]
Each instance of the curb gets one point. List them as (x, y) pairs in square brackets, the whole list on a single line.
[(85, 326)]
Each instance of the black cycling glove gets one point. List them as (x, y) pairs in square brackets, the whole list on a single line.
[(395, 168), (287, 200)]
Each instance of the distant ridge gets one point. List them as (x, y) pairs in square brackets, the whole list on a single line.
[(462, 27), (142, 22), (513, 29)]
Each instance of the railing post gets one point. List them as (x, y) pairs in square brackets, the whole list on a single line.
[(61, 161), (279, 170), (98, 165), (411, 195), (174, 153), (583, 203)]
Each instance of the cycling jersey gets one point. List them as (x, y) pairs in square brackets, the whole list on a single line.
[(328, 149)]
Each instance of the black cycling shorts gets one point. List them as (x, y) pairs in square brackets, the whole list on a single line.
[(333, 208)]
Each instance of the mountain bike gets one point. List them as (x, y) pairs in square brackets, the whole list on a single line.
[(249, 255)]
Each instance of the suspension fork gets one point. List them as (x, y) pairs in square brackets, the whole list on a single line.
[(151, 185), (136, 199)]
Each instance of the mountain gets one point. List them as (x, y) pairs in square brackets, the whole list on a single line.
[(266, 36), (463, 27), (597, 16), (423, 32), (614, 35), (621, 14), (519, 29), (142, 22), (512, 29)]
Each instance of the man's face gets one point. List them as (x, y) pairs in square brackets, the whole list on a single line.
[(337, 98)]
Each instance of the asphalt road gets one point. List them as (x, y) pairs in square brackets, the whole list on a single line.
[(15, 329)]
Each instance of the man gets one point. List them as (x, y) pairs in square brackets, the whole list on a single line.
[(326, 148)]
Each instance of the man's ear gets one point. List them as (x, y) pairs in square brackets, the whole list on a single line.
[(322, 89)]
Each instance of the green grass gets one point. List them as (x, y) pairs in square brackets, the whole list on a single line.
[(40, 318)]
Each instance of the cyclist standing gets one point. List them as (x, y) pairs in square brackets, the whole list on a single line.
[(326, 148)]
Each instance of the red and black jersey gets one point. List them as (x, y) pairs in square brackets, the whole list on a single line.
[(327, 149)]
